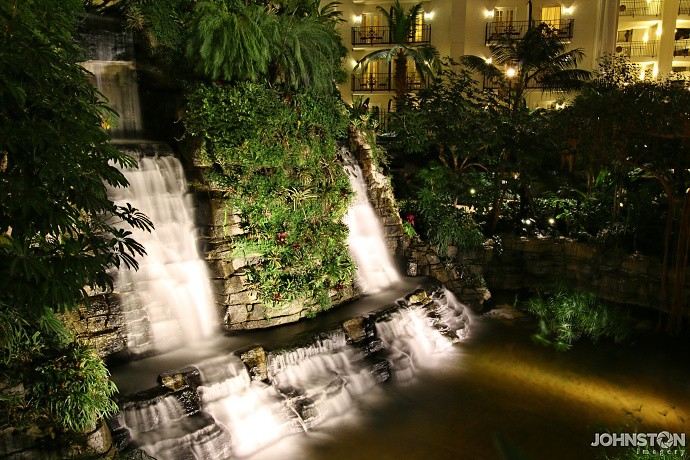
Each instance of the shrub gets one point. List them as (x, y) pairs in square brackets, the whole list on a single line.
[(567, 315), (276, 154)]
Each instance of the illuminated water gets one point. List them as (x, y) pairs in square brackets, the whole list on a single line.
[(375, 269)]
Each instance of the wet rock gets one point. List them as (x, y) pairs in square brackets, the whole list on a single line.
[(255, 361), (355, 329)]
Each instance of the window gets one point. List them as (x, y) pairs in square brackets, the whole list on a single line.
[(551, 15), (504, 17), (418, 34)]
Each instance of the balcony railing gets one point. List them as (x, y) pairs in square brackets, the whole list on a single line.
[(381, 35), (638, 48), (684, 7), (640, 8), (495, 31), (681, 48), (383, 81)]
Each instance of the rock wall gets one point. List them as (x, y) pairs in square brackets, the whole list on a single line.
[(519, 262), (238, 304), (101, 323)]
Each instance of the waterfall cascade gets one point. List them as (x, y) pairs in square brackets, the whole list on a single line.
[(375, 269), (221, 411), (168, 301), (218, 409)]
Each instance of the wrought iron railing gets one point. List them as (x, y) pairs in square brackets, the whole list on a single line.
[(383, 81), (681, 48), (684, 7), (381, 35), (495, 31), (640, 8), (649, 48)]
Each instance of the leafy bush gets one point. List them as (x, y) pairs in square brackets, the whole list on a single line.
[(436, 215), (567, 315), (276, 154)]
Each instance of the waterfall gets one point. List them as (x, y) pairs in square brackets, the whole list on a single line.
[(223, 413), (375, 269), (168, 301)]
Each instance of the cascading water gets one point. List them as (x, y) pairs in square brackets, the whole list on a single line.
[(168, 301), (217, 410), (375, 269)]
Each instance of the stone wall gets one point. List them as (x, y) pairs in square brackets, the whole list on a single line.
[(532, 262), (101, 323), (238, 304)]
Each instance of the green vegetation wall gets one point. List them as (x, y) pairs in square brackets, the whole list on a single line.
[(273, 157)]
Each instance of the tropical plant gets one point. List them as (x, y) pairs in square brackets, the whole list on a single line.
[(296, 44), (231, 40), (59, 233), (640, 128), (279, 158), (539, 60), (402, 26), (567, 315)]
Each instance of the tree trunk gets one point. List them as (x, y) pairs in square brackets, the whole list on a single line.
[(400, 76)]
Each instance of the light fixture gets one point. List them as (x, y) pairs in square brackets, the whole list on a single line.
[(489, 60), (552, 220), (472, 191), (510, 73), (357, 18), (428, 15), (568, 10), (488, 13)]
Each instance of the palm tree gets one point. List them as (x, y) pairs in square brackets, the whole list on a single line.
[(402, 27), (296, 44), (538, 61)]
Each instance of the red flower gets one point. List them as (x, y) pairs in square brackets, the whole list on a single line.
[(410, 219), (281, 237)]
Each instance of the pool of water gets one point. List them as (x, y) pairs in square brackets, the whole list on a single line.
[(548, 404)]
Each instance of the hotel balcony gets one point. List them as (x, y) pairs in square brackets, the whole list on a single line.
[(383, 82), (638, 49), (681, 48), (635, 8), (381, 35), (684, 7), (516, 29)]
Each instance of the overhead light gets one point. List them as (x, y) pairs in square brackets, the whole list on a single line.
[(510, 73)]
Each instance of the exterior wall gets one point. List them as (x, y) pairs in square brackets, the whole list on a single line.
[(458, 27), (652, 28)]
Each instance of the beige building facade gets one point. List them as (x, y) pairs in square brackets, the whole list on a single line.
[(459, 27), (656, 35)]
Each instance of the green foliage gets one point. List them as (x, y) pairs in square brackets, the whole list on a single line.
[(277, 157), (230, 41), (437, 217), (59, 232), (73, 385), (567, 315), (297, 44), (56, 221), (162, 23)]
